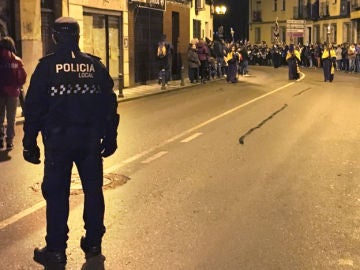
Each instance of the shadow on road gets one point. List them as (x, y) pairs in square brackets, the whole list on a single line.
[(4, 155)]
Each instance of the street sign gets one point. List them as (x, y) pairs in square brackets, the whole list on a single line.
[(151, 4), (292, 35), (295, 27), (296, 22), (295, 30)]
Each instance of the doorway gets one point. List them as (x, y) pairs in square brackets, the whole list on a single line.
[(176, 61)]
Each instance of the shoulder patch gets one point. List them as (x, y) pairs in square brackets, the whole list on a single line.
[(46, 56), (93, 56)]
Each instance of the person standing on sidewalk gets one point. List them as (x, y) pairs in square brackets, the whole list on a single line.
[(194, 63), (164, 55), (219, 54), (12, 77), (71, 101), (203, 53), (351, 52), (338, 55)]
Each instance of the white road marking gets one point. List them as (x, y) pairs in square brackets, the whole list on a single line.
[(34, 208), (156, 156), (347, 262), (186, 132), (22, 214), (188, 139)]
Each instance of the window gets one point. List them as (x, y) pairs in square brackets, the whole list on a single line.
[(196, 29), (257, 35), (47, 23), (346, 32), (275, 5), (47, 4), (317, 33), (334, 34), (102, 38), (283, 5), (344, 9), (329, 31), (258, 6), (95, 32), (200, 4), (282, 33)]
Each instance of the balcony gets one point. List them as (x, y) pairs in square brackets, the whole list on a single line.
[(324, 10), (302, 12), (355, 5), (345, 8)]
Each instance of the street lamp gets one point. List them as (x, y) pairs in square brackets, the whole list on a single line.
[(220, 11), (328, 33)]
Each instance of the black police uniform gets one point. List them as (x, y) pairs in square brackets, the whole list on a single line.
[(71, 101)]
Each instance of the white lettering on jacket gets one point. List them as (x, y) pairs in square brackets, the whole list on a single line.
[(73, 67)]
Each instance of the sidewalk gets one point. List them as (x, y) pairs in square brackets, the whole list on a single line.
[(131, 93)]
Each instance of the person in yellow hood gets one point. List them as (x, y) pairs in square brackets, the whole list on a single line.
[(328, 58), (293, 59)]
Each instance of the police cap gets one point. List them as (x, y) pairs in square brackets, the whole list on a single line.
[(66, 25)]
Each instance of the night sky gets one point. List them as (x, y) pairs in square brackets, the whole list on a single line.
[(237, 17)]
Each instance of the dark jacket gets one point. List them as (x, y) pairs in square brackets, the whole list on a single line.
[(218, 49), (12, 73), (202, 51), (68, 89), (193, 59)]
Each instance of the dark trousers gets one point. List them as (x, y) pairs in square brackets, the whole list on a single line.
[(193, 74), (293, 69), (61, 152), (165, 70), (232, 73), (327, 64), (203, 70)]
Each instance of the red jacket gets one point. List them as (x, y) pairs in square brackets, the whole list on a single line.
[(12, 73)]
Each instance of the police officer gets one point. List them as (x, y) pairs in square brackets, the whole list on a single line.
[(71, 102)]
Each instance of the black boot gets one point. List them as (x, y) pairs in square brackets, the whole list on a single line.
[(51, 260), (90, 251)]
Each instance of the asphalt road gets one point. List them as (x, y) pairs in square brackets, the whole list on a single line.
[(262, 174)]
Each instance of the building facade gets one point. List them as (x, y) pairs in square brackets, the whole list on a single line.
[(103, 25), (304, 21), (124, 33), (179, 20)]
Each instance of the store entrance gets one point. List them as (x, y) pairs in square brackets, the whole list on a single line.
[(148, 30), (102, 36)]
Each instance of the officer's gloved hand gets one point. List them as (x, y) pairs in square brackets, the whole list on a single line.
[(32, 154), (108, 146), (109, 143)]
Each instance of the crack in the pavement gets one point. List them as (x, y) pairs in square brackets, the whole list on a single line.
[(301, 92), (242, 138)]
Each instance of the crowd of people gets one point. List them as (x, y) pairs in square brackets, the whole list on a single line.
[(230, 59), (209, 59)]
